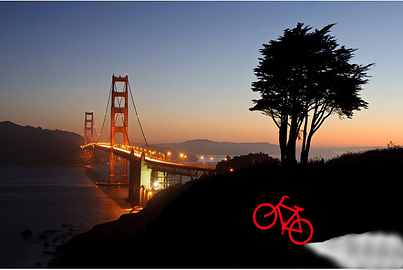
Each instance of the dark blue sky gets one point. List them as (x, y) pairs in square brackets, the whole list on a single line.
[(190, 65)]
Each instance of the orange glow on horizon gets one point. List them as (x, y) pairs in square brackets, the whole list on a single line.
[(365, 129)]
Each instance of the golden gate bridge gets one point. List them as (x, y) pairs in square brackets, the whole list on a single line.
[(148, 170)]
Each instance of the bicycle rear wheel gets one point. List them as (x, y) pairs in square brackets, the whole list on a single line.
[(302, 237), (264, 216)]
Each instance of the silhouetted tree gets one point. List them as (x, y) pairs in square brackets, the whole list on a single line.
[(303, 78)]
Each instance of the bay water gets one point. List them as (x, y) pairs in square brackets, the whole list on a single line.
[(55, 203)]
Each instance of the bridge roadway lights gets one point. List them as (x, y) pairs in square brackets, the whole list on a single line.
[(144, 172)]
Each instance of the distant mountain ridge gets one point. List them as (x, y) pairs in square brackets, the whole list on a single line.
[(207, 147), (36, 146), (8, 126), (27, 145)]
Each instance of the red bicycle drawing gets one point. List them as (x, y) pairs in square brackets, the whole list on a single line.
[(295, 229)]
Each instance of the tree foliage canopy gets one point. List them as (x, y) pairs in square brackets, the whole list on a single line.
[(303, 77)]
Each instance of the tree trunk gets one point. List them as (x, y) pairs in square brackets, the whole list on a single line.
[(304, 156), (305, 152), (290, 153), (292, 141), (304, 160), (283, 138)]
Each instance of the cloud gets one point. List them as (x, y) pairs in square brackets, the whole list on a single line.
[(368, 250)]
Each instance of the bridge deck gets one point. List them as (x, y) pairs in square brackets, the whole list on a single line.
[(153, 161)]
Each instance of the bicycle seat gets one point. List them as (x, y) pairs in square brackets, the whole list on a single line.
[(298, 208)]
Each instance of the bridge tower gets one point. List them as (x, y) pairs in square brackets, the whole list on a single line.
[(119, 109), (88, 137)]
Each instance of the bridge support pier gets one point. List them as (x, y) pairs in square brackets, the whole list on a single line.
[(139, 182), (134, 182)]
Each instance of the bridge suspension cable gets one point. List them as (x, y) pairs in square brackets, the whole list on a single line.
[(123, 120), (138, 117), (95, 130), (106, 113)]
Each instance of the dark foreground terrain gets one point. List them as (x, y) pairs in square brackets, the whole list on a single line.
[(208, 222)]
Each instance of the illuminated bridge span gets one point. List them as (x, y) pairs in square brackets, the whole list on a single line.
[(153, 161), (149, 171)]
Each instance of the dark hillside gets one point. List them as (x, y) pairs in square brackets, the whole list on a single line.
[(36, 146), (210, 223), (392, 156)]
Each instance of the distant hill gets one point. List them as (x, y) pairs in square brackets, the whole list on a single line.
[(207, 147), (175, 154), (36, 146), (331, 152), (386, 156)]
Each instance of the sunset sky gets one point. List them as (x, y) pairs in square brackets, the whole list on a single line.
[(190, 66)]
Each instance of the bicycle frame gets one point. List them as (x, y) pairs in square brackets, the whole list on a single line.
[(284, 224), (292, 224)]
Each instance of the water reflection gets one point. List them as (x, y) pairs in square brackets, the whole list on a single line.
[(44, 199), (100, 173)]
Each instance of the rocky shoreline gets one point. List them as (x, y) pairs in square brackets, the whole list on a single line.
[(49, 240)]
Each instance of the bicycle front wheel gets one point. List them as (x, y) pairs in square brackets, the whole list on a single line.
[(301, 235), (264, 216)]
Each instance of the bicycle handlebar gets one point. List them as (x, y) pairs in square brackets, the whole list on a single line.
[(285, 197)]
